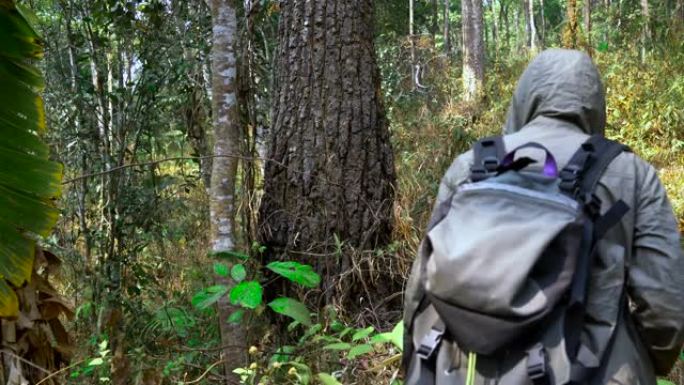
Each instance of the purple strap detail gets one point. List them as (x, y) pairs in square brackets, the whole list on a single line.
[(550, 165)]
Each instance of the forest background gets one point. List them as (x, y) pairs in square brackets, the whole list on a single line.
[(245, 184)]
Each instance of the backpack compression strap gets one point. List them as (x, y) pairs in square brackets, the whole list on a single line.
[(487, 156), (579, 179)]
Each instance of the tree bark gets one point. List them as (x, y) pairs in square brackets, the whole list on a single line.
[(447, 37), (473, 49), (543, 24), (504, 20), (587, 25), (330, 175), (570, 33), (646, 34), (435, 16), (530, 28), (224, 168), (495, 29)]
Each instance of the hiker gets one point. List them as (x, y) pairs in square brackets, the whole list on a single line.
[(619, 321)]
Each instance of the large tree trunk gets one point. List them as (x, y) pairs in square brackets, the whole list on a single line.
[(473, 49), (224, 167), (330, 175)]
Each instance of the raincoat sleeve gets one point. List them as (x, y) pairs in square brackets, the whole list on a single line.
[(656, 276)]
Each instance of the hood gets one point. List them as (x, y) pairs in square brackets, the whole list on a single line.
[(562, 84)]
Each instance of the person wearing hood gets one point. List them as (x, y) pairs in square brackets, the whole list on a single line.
[(559, 101)]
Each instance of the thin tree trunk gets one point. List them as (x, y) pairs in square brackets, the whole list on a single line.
[(587, 25), (530, 28), (332, 178), (542, 43), (411, 36), (516, 29), (435, 16), (504, 19), (495, 29), (473, 49), (224, 169), (570, 33), (447, 33), (646, 34)]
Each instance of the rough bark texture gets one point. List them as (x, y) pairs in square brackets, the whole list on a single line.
[(473, 49), (331, 173), (224, 169)]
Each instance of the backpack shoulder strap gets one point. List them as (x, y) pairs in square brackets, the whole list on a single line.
[(580, 176), (487, 155)]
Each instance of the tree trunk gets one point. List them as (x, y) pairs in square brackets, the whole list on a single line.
[(447, 37), (679, 13), (330, 176), (570, 33), (411, 35), (473, 49), (435, 16), (587, 25), (224, 168), (646, 35), (504, 19), (495, 29), (543, 25), (530, 28)]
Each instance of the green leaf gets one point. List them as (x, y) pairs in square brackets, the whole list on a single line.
[(363, 333), (310, 332), (208, 296), (238, 273), (327, 379), (221, 269), (296, 272), (359, 350), (96, 361), (236, 317), (602, 46), (291, 308), (338, 346), (664, 382), (396, 336), (283, 354), (29, 181), (247, 294)]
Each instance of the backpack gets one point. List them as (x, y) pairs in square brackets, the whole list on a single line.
[(505, 269)]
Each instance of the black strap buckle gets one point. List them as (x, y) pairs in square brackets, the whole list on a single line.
[(592, 204), (490, 163), (536, 364), (569, 177), (429, 343)]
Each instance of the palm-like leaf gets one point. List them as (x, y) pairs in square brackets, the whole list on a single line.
[(29, 182)]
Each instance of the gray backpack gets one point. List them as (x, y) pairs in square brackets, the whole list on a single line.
[(504, 278)]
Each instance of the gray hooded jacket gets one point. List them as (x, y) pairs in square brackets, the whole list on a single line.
[(558, 102)]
